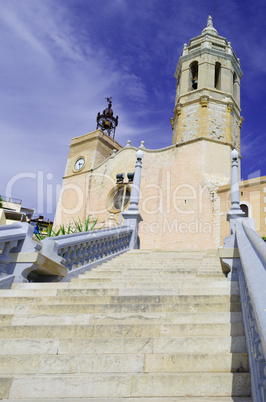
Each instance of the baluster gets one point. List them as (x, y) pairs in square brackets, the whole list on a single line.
[(111, 242), (97, 250), (100, 253), (109, 246), (66, 255), (79, 256), (72, 256), (85, 253), (91, 252)]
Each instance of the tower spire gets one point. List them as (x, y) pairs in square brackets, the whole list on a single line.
[(209, 28)]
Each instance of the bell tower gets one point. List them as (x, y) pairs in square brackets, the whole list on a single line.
[(207, 101)]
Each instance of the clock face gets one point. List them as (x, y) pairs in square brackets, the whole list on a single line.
[(79, 164)]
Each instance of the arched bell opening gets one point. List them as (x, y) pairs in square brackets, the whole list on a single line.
[(194, 72), (217, 76)]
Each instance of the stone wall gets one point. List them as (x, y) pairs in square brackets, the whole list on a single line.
[(253, 195), (178, 199)]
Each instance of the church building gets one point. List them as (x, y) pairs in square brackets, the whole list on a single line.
[(185, 188)]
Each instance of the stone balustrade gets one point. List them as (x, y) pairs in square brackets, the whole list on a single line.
[(252, 284), (22, 258), (14, 238), (82, 251), (25, 259)]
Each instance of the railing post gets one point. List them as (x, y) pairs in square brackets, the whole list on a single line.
[(235, 210), (132, 216)]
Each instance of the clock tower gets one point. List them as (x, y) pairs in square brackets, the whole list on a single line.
[(208, 91), (85, 153)]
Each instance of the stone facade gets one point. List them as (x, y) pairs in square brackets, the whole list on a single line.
[(252, 201), (182, 202), (178, 200)]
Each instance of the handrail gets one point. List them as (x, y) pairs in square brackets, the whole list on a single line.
[(252, 284), (255, 239)]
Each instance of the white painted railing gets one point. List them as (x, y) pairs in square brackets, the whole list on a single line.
[(252, 284)]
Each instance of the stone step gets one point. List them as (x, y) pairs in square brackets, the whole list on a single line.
[(156, 266), (81, 298), (140, 274), (173, 345), (122, 363), (83, 289), (166, 262), (18, 293), (125, 385), (152, 399), (104, 290), (123, 281), (120, 331), (118, 308), (156, 261), (185, 292), (171, 268), (115, 287), (130, 282), (108, 283), (150, 278), (136, 308), (117, 318), (52, 291), (183, 363)]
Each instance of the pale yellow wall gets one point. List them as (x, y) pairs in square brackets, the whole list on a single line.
[(95, 147), (252, 192), (178, 200)]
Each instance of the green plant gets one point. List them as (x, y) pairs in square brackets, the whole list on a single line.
[(64, 230), (1, 202), (264, 238), (88, 225)]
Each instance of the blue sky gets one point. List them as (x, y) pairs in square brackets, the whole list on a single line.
[(60, 59)]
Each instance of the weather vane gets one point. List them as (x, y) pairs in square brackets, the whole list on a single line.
[(106, 121)]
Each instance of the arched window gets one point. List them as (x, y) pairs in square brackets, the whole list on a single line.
[(246, 208), (194, 75), (217, 76)]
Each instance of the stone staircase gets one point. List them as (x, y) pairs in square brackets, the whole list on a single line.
[(148, 326)]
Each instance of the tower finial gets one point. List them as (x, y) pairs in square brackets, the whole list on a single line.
[(209, 21), (209, 28), (106, 121)]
